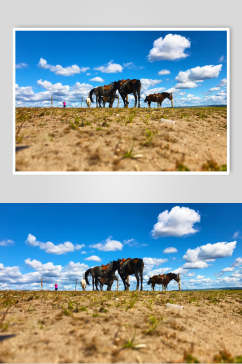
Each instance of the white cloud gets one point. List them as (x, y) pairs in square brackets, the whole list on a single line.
[(110, 68), (179, 221), (169, 250), (97, 79), (51, 248), (164, 72), (195, 265), (171, 47), (25, 96), (151, 262), (94, 258), (228, 269), (214, 89), (21, 65), (12, 278), (6, 242), (60, 70), (108, 245), (210, 251), (202, 255), (191, 77), (237, 262), (148, 82), (223, 82), (221, 59)]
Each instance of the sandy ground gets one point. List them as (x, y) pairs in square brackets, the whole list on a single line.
[(186, 139), (128, 327)]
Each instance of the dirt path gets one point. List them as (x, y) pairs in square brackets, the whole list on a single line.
[(189, 139), (129, 327)]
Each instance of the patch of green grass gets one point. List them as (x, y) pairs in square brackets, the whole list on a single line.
[(189, 358), (212, 165)]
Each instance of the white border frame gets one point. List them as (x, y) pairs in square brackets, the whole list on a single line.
[(118, 173)]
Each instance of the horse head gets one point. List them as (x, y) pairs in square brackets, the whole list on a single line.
[(171, 99), (146, 99), (149, 281)]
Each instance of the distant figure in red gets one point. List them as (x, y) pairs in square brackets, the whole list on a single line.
[(64, 104), (56, 287)]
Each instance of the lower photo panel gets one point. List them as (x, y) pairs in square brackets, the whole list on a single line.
[(130, 283)]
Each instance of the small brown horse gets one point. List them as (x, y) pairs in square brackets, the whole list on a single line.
[(128, 267), (127, 87), (164, 279), (108, 91), (108, 282), (159, 98), (105, 271)]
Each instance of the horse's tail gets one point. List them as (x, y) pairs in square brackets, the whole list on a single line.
[(87, 274), (90, 94)]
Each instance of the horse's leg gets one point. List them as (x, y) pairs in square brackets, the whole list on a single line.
[(141, 281), (137, 278), (153, 286), (138, 93), (135, 97), (124, 99)]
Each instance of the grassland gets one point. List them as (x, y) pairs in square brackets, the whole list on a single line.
[(186, 139), (129, 327)]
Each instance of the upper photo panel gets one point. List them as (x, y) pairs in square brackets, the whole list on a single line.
[(121, 101)]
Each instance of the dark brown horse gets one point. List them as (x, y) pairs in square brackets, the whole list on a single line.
[(164, 279), (109, 99), (159, 98), (127, 87), (128, 267), (108, 281), (104, 271), (108, 91)]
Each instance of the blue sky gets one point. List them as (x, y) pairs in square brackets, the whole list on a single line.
[(67, 64), (58, 242)]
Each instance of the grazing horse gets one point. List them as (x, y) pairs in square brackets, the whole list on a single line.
[(108, 281), (164, 279), (109, 99), (131, 266), (108, 91), (83, 284), (88, 101), (127, 87), (159, 98), (104, 271)]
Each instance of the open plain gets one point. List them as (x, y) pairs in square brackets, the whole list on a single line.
[(128, 327), (118, 139)]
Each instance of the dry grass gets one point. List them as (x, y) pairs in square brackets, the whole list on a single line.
[(121, 139), (130, 327)]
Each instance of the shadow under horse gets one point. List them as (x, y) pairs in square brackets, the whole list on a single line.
[(164, 279), (128, 267), (107, 91), (159, 98), (104, 271), (127, 87)]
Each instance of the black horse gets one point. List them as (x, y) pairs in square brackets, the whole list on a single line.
[(127, 87), (108, 281), (109, 99), (128, 267), (107, 91), (159, 98), (104, 271)]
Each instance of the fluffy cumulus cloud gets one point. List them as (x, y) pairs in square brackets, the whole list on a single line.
[(171, 47), (164, 72), (25, 96), (6, 242), (52, 248), (12, 278), (179, 221), (193, 76), (202, 255), (110, 68), (97, 79), (109, 245), (94, 258), (170, 250), (21, 65), (60, 70)]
